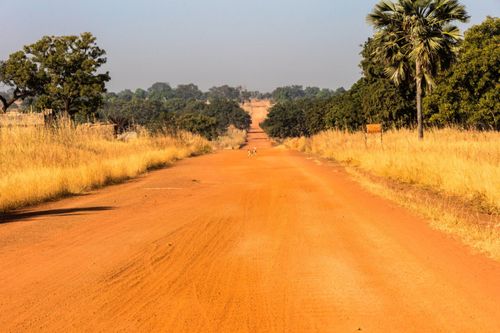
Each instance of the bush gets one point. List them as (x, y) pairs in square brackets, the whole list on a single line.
[(286, 119), (467, 95), (226, 113), (197, 123)]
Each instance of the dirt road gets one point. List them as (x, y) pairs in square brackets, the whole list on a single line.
[(227, 243)]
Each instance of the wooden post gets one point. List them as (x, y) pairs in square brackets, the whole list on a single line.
[(374, 129)]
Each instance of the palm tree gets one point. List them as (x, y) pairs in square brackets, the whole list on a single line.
[(415, 39)]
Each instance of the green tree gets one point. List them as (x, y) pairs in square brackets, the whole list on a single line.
[(188, 91), (198, 123), (469, 93), (315, 113), (311, 92), (381, 100), (315, 92), (175, 104), (288, 93), (25, 78), (226, 92), (228, 112), (345, 111), (160, 91), (125, 95), (125, 113), (70, 63), (286, 119), (245, 95), (140, 93), (416, 38)]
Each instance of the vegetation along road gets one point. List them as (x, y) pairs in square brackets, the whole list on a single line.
[(229, 243)]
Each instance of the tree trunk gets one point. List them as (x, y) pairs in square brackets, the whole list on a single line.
[(6, 103), (420, 120), (3, 106), (66, 106)]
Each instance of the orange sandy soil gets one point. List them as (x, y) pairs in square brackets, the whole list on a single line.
[(227, 243)]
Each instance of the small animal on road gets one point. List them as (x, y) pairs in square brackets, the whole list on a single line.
[(252, 152)]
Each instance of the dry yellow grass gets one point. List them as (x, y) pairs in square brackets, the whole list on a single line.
[(39, 163), (14, 118), (234, 139), (461, 167)]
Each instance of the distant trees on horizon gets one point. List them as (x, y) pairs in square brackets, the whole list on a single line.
[(161, 108), (163, 91)]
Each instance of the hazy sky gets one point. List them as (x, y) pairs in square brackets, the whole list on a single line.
[(260, 44)]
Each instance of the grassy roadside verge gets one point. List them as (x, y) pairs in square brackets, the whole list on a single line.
[(40, 164), (451, 178)]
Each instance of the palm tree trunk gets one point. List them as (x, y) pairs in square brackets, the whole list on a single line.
[(420, 120)]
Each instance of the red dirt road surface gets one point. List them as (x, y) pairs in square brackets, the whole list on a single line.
[(229, 243)]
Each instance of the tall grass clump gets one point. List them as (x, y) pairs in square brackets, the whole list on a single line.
[(464, 164), (43, 163), (233, 139)]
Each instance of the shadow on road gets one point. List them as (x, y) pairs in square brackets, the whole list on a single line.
[(21, 216)]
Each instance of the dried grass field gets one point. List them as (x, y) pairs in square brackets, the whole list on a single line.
[(41, 163)]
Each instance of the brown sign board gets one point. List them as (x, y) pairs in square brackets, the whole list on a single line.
[(374, 128)]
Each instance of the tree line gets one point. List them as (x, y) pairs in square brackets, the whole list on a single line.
[(295, 92), (185, 107), (162, 106), (412, 76), (163, 91), (186, 110), (62, 73)]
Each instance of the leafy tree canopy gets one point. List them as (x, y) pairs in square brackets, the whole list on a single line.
[(188, 91), (227, 113), (23, 76), (294, 92), (468, 94), (68, 66), (381, 100), (198, 123), (160, 91), (226, 92), (286, 119)]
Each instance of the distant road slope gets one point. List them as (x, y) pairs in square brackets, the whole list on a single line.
[(229, 243), (258, 109)]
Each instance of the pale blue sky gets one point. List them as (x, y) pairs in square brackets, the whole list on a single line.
[(260, 44)]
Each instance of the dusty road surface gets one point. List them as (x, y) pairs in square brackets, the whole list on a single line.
[(227, 243)]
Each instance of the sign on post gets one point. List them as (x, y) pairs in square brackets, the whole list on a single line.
[(374, 129)]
